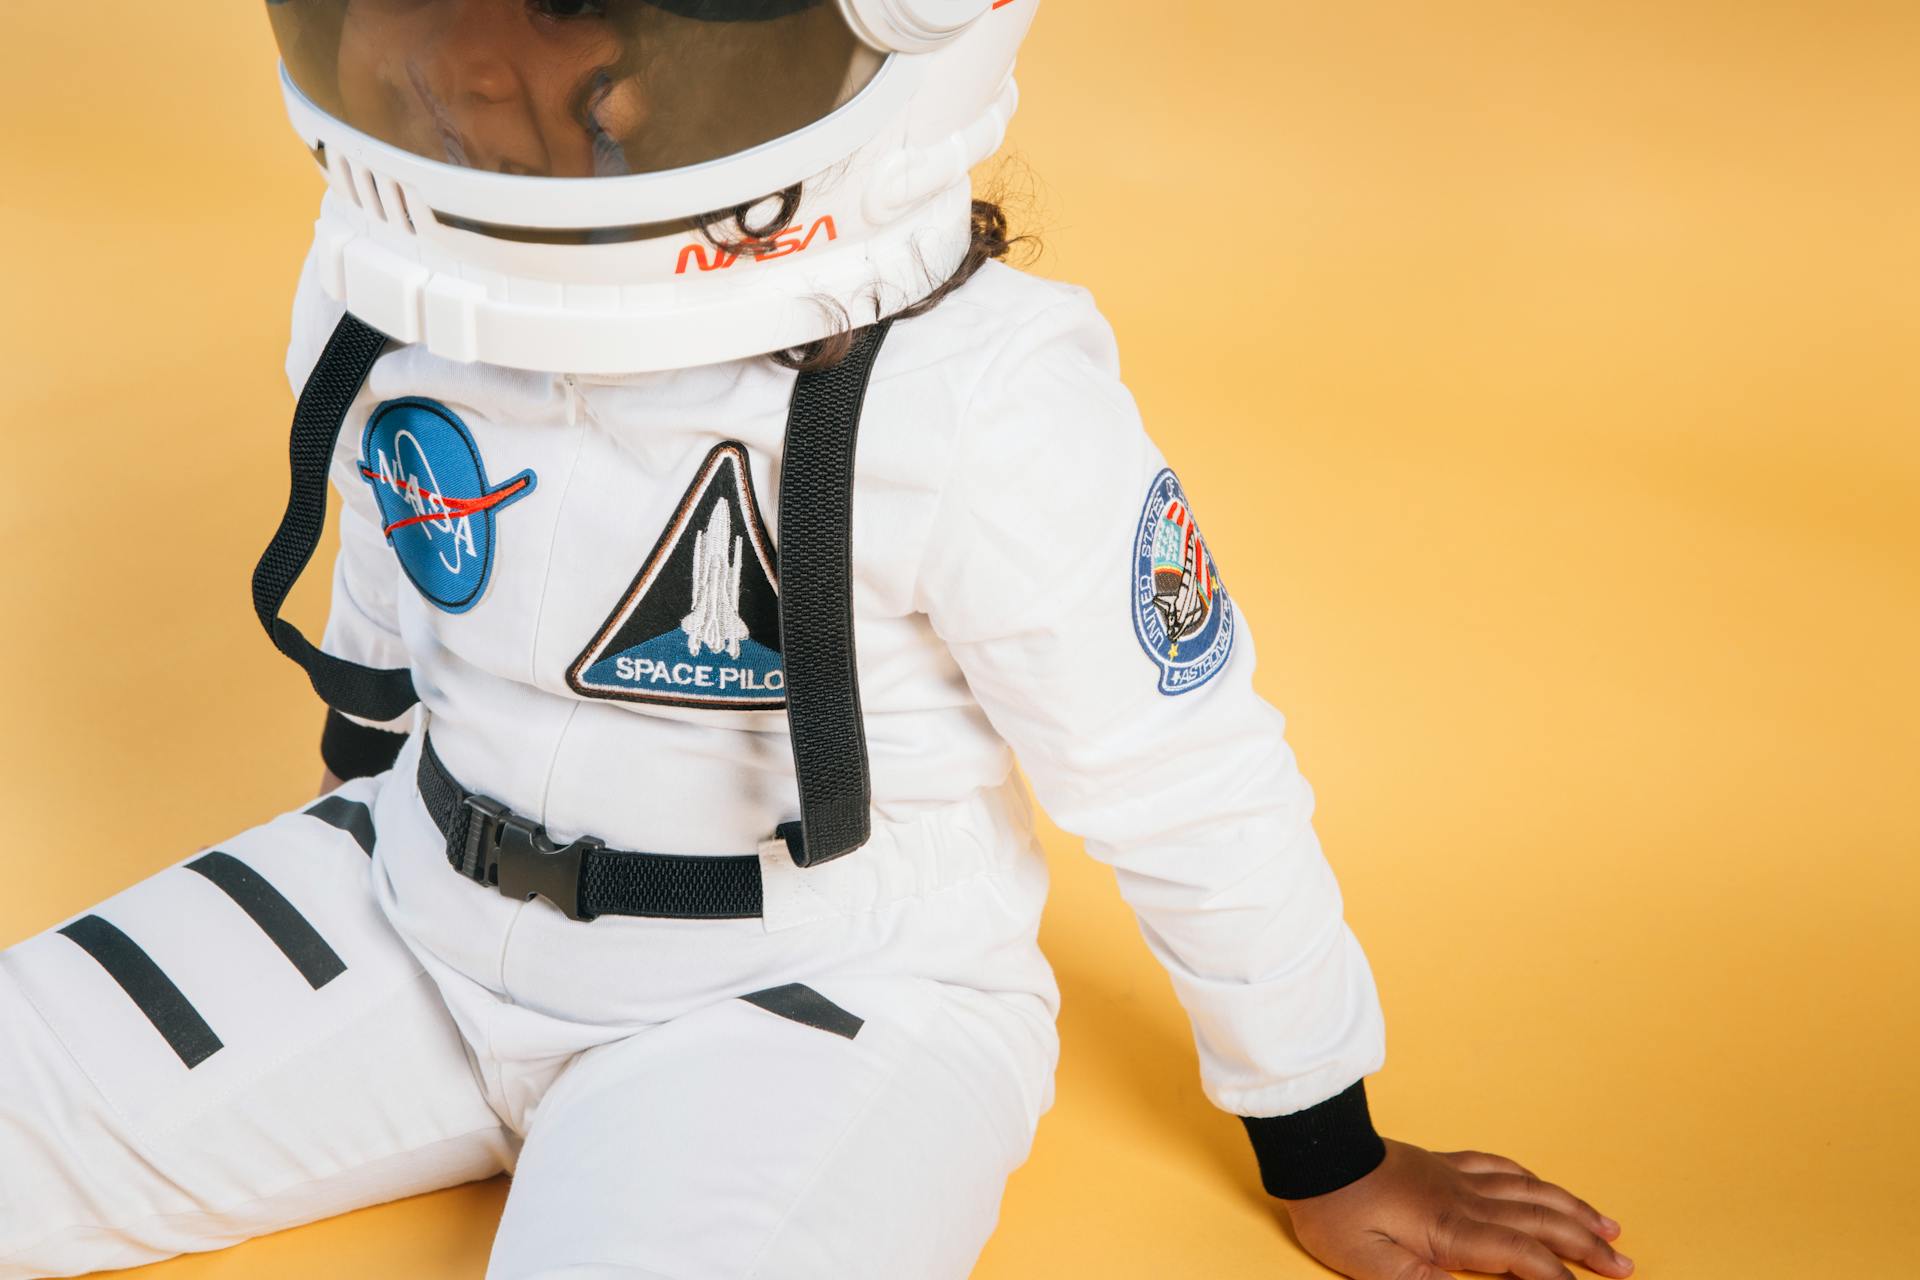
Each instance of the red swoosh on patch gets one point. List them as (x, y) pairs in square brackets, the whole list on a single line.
[(454, 506)]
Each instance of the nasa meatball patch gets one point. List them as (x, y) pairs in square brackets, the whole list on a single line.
[(437, 507), (700, 624), (1180, 608)]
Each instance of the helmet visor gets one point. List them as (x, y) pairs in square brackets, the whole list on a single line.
[(573, 88)]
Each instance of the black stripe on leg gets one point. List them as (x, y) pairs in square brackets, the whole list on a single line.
[(151, 991), (350, 816), (800, 1003), (279, 919)]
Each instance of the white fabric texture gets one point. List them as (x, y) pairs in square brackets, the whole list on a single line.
[(113, 1153), (660, 1127)]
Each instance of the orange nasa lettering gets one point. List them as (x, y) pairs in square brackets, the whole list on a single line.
[(779, 245)]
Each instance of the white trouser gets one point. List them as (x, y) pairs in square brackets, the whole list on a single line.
[(292, 1030)]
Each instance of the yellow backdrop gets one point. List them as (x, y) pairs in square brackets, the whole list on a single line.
[(1546, 377)]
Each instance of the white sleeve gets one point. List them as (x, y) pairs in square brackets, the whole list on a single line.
[(1193, 797), (362, 624)]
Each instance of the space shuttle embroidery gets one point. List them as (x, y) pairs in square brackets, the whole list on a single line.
[(699, 626), (1182, 575), (714, 622)]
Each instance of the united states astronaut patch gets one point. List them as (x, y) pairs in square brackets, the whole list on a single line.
[(436, 505), (1180, 607), (700, 624)]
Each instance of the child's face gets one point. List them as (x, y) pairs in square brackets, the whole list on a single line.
[(510, 86)]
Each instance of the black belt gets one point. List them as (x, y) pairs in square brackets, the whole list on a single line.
[(491, 844)]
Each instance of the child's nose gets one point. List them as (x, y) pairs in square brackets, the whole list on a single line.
[(476, 53), (482, 95)]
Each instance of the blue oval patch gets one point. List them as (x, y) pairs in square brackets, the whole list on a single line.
[(1181, 612), (436, 506)]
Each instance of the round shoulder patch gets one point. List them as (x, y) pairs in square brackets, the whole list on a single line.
[(436, 506), (1180, 607)]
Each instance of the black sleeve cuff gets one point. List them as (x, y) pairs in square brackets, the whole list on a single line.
[(1321, 1149), (352, 750)]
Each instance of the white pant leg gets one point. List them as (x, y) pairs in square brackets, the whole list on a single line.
[(736, 1142), (179, 1072)]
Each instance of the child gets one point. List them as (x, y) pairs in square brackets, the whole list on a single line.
[(722, 942)]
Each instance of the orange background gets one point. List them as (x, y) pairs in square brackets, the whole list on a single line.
[(1546, 377)]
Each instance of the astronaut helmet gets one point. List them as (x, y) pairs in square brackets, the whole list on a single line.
[(623, 186)]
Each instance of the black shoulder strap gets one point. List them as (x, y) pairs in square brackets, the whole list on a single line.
[(815, 555), (366, 692)]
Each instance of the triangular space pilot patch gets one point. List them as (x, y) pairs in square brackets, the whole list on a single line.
[(700, 624)]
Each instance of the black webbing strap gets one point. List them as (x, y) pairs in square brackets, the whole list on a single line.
[(815, 566), (816, 606), (367, 692), (488, 843)]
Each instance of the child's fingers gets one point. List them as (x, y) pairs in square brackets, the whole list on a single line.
[(1565, 1235), (1486, 1163), (1467, 1244), (1483, 1162), (1526, 1187)]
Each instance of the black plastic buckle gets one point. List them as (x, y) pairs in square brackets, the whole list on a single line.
[(515, 855)]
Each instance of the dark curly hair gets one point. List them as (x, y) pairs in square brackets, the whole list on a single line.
[(737, 231)]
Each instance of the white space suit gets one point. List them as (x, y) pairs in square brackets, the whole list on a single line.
[(581, 572), (676, 1130)]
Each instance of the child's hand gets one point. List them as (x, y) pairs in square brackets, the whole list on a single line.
[(1422, 1213)]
